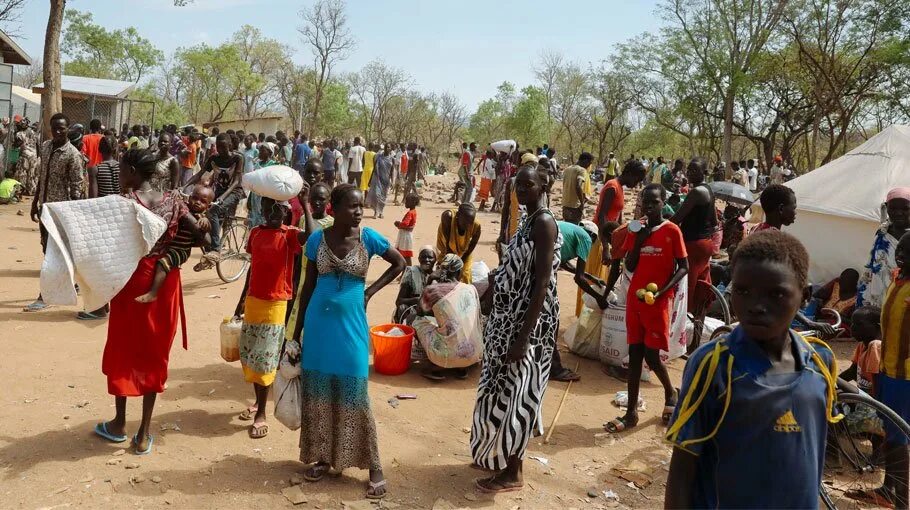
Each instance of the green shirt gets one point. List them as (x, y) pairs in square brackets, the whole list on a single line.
[(576, 242), (8, 187)]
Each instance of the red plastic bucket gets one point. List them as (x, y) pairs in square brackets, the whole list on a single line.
[(391, 354)]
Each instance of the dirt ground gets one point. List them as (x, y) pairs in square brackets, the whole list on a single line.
[(55, 393)]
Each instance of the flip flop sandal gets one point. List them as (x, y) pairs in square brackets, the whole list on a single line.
[(873, 497), (617, 425), (433, 376), (479, 485), (101, 430), (565, 375), (319, 470), (88, 316), (36, 306), (248, 414), (148, 450), (259, 432), (373, 487)]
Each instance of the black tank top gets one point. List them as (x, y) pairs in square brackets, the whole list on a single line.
[(701, 221)]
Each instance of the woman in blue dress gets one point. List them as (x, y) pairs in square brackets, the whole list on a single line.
[(338, 429)]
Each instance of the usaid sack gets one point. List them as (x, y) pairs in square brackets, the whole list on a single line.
[(277, 182)]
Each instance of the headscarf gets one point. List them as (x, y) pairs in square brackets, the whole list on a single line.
[(528, 157), (902, 192), (451, 263)]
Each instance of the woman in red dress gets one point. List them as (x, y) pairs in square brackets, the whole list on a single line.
[(139, 335)]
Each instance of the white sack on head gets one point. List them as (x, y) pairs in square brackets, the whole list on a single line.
[(277, 182)]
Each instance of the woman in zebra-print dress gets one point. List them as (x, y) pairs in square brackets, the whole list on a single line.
[(519, 340)]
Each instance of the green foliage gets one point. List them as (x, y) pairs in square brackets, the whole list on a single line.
[(96, 52)]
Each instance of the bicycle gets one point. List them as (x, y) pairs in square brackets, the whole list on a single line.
[(233, 259)]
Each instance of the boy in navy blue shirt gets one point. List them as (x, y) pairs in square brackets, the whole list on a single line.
[(751, 425)]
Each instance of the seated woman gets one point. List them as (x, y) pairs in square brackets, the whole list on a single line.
[(449, 328), (413, 281)]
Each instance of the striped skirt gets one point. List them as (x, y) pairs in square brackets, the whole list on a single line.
[(261, 338)]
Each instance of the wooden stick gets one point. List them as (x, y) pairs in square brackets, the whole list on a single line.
[(546, 439)]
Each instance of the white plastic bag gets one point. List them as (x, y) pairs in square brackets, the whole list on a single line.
[(711, 324), (230, 339), (479, 271), (277, 182), (287, 392), (614, 347), (583, 337)]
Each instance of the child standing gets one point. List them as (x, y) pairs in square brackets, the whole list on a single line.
[(893, 383), (656, 254), (751, 428), (179, 249), (263, 302), (405, 243)]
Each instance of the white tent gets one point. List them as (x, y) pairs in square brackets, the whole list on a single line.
[(839, 204)]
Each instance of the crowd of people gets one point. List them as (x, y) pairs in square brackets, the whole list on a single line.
[(306, 294)]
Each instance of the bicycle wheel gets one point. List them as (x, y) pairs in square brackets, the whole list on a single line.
[(234, 261), (854, 459)]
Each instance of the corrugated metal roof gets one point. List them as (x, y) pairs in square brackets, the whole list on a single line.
[(92, 86)]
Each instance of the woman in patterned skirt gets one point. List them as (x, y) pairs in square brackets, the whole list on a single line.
[(338, 429), (273, 247), (519, 340)]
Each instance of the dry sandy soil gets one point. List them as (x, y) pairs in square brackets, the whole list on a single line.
[(55, 393)]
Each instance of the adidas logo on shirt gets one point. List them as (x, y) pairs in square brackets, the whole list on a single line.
[(787, 423)]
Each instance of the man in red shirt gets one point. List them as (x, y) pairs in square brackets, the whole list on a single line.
[(90, 143), (655, 254), (464, 170)]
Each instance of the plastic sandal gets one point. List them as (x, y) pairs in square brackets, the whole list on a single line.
[(101, 430)]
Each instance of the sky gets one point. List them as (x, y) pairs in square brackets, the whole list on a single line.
[(467, 47)]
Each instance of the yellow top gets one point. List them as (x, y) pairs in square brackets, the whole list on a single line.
[(368, 158), (896, 331), (452, 241)]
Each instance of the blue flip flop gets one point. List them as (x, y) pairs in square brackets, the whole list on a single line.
[(147, 450), (101, 430)]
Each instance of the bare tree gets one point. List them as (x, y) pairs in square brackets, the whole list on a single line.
[(374, 87), (11, 15), (29, 76), (571, 104), (546, 71), (325, 30), (52, 95)]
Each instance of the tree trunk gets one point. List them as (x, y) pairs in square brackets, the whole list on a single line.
[(52, 96), (728, 129)]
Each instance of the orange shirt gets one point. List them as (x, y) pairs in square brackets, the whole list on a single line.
[(272, 264), (657, 261), (868, 362), (614, 208), (90, 149), (190, 160)]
